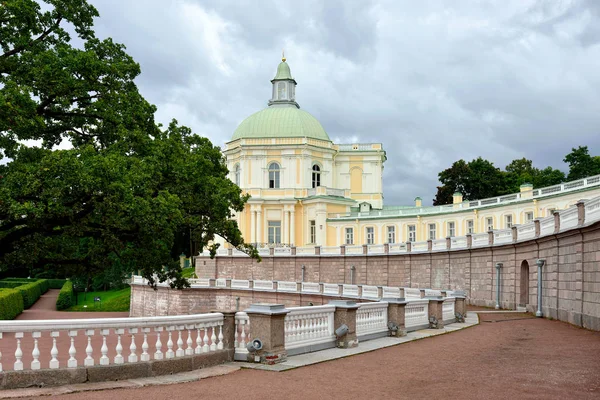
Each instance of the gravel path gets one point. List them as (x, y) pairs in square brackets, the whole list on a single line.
[(507, 356)]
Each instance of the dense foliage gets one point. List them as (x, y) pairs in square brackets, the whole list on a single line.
[(124, 192), (32, 291), (479, 179), (66, 296), (11, 304)]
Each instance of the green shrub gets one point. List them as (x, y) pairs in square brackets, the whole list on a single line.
[(65, 297), (10, 284), (19, 279), (11, 304), (56, 283), (31, 292)]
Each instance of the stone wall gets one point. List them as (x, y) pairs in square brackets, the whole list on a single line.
[(571, 274)]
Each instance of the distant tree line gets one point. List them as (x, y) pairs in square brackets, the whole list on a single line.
[(479, 178)]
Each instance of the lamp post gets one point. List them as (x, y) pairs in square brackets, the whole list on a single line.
[(498, 267), (540, 263)]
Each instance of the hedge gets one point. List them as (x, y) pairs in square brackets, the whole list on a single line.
[(20, 279), (31, 292), (56, 283), (11, 284), (65, 297), (11, 303)]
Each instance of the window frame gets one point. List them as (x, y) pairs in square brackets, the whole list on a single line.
[(275, 179), (508, 221), (274, 232), (411, 233), (527, 219), (490, 227), (312, 231), (451, 228), (370, 236), (315, 176), (349, 236), (470, 227), (434, 230), (391, 230)]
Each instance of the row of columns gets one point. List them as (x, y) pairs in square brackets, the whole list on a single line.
[(288, 225)]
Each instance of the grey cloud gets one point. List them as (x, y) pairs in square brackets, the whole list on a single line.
[(434, 81)]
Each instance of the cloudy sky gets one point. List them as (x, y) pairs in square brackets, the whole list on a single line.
[(434, 81)]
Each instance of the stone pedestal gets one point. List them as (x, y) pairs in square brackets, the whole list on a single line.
[(460, 306), (345, 314), (396, 313), (267, 325), (435, 310)]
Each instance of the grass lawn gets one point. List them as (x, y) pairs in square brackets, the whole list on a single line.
[(112, 300)]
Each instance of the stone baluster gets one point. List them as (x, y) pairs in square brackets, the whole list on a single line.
[(205, 346), (213, 339), (18, 353), (170, 353), (35, 353), (242, 343), (119, 359), (180, 352), (89, 360), (220, 337), (0, 354), (145, 356), (104, 360), (158, 355), (198, 348), (72, 363), (132, 347), (189, 350)]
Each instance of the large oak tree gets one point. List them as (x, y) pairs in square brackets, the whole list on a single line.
[(125, 187)]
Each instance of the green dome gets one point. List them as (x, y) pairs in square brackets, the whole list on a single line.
[(283, 71), (280, 122)]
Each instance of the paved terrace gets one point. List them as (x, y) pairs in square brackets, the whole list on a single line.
[(506, 356)]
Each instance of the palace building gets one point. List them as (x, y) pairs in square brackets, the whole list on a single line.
[(308, 191)]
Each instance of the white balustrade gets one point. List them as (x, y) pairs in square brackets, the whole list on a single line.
[(305, 251), (547, 226), (330, 250), (331, 289), (354, 250), (480, 239), (283, 286), (448, 308), (412, 293), (350, 290), (526, 231), (221, 282), (503, 236), (309, 326), (282, 251), (376, 249), (391, 292), (199, 282), (459, 242), (419, 247), (416, 314), (432, 293), (371, 318), (592, 210), (438, 244), (241, 336), (311, 287), (370, 292), (397, 248), (263, 285), (83, 349), (240, 284), (569, 218)]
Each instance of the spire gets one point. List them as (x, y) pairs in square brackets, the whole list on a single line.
[(284, 86)]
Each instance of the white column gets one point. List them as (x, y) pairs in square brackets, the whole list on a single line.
[(292, 227), (284, 227), (259, 229), (253, 226)]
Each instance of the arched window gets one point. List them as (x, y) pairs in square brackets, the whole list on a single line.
[(237, 174), (316, 176), (274, 175)]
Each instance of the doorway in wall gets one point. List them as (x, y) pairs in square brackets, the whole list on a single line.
[(524, 287)]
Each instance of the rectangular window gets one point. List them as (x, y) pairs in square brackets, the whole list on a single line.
[(529, 216), (370, 235), (470, 226), (432, 232), (313, 232), (274, 232), (391, 234), (508, 221), (412, 233), (349, 236), (451, 229), (490, 223)]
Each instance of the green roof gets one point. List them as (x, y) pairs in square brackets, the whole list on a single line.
[(283, 71), (280, 122)]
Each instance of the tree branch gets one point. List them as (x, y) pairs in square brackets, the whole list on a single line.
[(40, 38)]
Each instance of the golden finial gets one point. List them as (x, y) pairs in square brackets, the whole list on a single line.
[(283, 55)]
